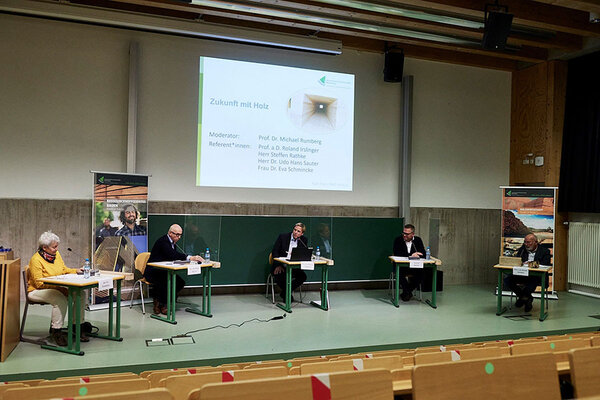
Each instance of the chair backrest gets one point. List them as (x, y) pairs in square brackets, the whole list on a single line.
[(584, 335), (433, 358), (90, 378), (585, 371), (296, 362), (529, 340), (28, 382), (387, 362), (434, 349), (402, 353), (269, 363), (156, 377), (9, 385), (180, 386), (515, 378), (150, 394), (73, 389), (327, 367), (357, 364), (549, 345), (354, 356), (373, 384), (26, 286), (484, 352), (26, 278), (141, 260)]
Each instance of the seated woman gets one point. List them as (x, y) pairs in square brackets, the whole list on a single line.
[(48, 262)]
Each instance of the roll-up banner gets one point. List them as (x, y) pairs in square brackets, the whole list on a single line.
[(120, 226), (528, 210)]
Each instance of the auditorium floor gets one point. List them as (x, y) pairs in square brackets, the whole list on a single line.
[(358, 320)]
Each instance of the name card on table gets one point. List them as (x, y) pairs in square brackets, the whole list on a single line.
[(105, 284), (416, 263), (307, 265), (521, 271), (194, 269)]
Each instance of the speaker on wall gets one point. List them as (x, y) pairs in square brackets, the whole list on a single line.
[(393, 66), (496, 29)]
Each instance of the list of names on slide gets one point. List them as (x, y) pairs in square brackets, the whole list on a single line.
[(285, 128)]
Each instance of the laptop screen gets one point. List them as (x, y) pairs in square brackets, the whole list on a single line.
[(301, 254)]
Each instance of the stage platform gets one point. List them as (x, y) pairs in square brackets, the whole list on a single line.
[(359, 320)]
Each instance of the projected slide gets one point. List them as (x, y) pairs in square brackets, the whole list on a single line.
[(267, 126)]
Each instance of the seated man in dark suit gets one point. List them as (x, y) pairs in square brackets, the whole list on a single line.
[(409, 245), (165, 249), (283, 248), (523, 286)]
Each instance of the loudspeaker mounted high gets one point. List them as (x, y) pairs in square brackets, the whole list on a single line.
[(393, 66), (496, 30)]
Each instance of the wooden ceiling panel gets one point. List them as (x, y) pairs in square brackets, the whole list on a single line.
[(442, 30)]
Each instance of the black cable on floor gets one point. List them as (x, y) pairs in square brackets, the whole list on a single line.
[(278, 317)]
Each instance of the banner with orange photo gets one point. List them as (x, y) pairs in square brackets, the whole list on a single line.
[(528, 210), (120, 226)]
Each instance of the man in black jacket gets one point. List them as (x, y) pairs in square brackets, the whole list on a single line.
[(283, 248), (165, 249), (523, 286), (409, 245)]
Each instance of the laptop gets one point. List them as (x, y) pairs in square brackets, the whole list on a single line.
[(301, 254)]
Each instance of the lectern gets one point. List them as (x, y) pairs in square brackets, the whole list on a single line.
[(10, 283)]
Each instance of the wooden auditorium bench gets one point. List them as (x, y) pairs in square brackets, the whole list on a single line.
[(389, 363), (517, 377), (585, 371), (75, 389), (89, 378), (373, 384), (150, 394), (180, 386)]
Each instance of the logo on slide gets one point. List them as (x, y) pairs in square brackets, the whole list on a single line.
[(322, 80)]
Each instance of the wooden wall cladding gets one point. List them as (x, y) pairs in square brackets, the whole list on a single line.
[(537, 118), (528, 123), (537, 112)]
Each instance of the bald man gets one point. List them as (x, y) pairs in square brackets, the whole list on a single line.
[(165, 249), (524, 286)]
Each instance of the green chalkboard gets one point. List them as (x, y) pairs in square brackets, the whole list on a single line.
[(242, 244)]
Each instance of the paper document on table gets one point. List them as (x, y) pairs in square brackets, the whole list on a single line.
[(399, 259), (307, 265)]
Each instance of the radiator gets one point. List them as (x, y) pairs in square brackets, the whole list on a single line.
[(584, 254)]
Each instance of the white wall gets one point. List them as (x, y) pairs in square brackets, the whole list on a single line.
[(63, 112), (461, 135)]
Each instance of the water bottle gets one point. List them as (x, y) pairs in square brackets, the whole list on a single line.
[(318, 254), (428, 253), (86, 268), (207, 255)]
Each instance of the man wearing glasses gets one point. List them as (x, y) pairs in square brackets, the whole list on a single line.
[(165, 249), (409, 245)]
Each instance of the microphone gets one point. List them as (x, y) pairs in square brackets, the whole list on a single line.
[(76, 253), (300, 240), (180, 249)]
